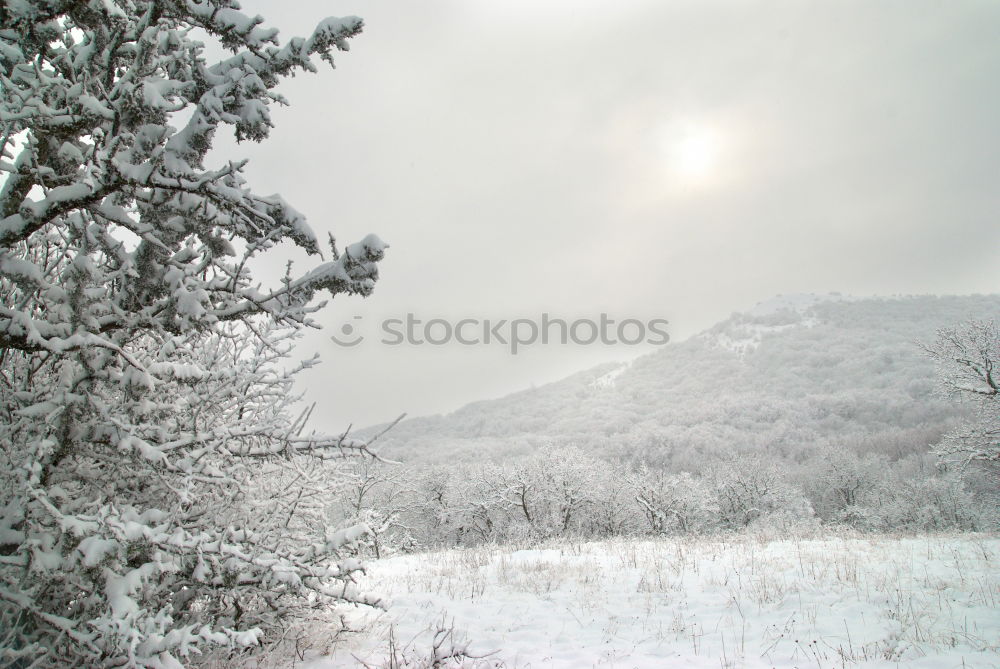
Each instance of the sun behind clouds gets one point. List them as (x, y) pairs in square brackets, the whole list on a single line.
[(691, 153)]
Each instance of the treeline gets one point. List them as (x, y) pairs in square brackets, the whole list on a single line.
[(564, 492)]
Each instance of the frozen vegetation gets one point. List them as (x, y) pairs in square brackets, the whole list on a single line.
[(840, 600), (832, 411), (156, 484)]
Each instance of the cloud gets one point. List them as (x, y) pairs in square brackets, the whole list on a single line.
[(509, 153)]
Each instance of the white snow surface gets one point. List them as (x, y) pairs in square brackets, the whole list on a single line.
[(744, 335), (608, 380), (853, 601)]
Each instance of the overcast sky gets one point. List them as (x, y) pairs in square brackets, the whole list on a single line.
[(648, 159)]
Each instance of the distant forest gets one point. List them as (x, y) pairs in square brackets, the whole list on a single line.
[(788, 414)]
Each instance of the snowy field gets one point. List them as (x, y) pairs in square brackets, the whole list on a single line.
[(930, 602)]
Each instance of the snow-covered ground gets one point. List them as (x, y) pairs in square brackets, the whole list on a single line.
[(931, 602), (608, 380)]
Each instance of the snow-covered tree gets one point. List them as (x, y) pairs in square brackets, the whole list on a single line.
[(674, 502), (381, 496), (839, 479), (750, 489), (566, 481), (143, 408), (968, 358)]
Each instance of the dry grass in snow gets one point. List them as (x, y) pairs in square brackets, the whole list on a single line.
[(930, 602)]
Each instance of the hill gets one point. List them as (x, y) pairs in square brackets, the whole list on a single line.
[(785, 378)]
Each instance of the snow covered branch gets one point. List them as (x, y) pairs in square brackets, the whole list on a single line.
[(157, 493)]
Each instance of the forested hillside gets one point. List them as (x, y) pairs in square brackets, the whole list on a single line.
[(789, 378)]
